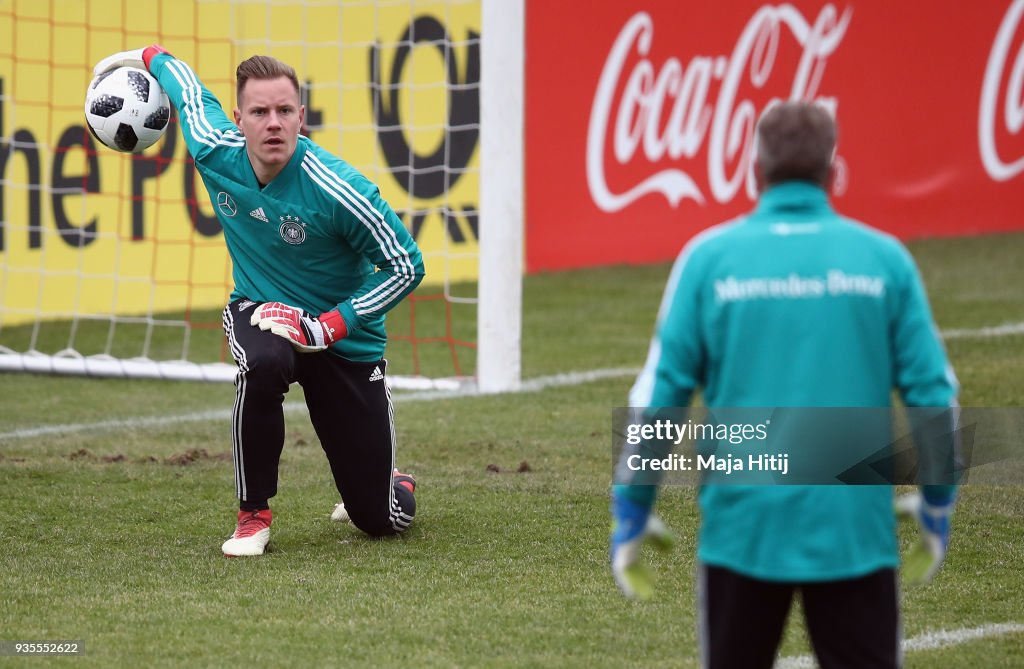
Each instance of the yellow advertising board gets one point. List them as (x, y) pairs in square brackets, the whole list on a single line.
[(392, 88)]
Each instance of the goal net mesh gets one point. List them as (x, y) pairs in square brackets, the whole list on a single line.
[(114, 264)]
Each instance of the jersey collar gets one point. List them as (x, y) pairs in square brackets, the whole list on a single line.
[(794, 196), (285, 176)]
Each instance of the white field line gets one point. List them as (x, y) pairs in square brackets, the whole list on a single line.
[(926, 641), (530, 385), (1003, 330)]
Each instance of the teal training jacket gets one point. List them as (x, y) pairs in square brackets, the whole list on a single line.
[(319, 236), (795, 306)]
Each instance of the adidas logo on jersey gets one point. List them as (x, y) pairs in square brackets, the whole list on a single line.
[(377, 375), (259, 215)]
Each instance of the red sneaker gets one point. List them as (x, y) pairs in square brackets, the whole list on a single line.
[(404, 480), (251, 535), (340, 513)]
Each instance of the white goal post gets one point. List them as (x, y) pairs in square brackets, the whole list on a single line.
[(499, 312), (54, 278)]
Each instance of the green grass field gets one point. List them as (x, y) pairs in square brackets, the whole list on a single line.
[(117, 495)]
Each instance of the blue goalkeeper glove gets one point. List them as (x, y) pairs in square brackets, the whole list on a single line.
[(932, 515), (632, 525), (306, 332)]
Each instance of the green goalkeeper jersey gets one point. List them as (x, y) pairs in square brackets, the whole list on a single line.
[(319, 236), (795, 306)]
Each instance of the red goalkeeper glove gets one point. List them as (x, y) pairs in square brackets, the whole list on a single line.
[(306, 332), (138, 58)]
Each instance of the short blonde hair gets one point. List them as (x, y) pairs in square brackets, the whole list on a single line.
[(262, 67)]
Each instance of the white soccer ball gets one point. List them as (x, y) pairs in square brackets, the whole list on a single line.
[(126, 109)]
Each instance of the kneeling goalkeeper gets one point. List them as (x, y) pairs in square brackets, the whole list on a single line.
[(318, 259)]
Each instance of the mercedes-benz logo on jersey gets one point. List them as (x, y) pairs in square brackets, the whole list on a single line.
[(226, 204), (293, 230)]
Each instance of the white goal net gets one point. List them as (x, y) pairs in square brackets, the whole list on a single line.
[(114, 264)]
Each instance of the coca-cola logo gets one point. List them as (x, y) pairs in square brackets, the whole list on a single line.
[(1004, 82), (667, 113)]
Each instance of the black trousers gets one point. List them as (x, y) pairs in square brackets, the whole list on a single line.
[(350, 408), (852, 623)]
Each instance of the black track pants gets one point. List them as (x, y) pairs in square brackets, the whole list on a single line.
[(853, 623), (350, 408)]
